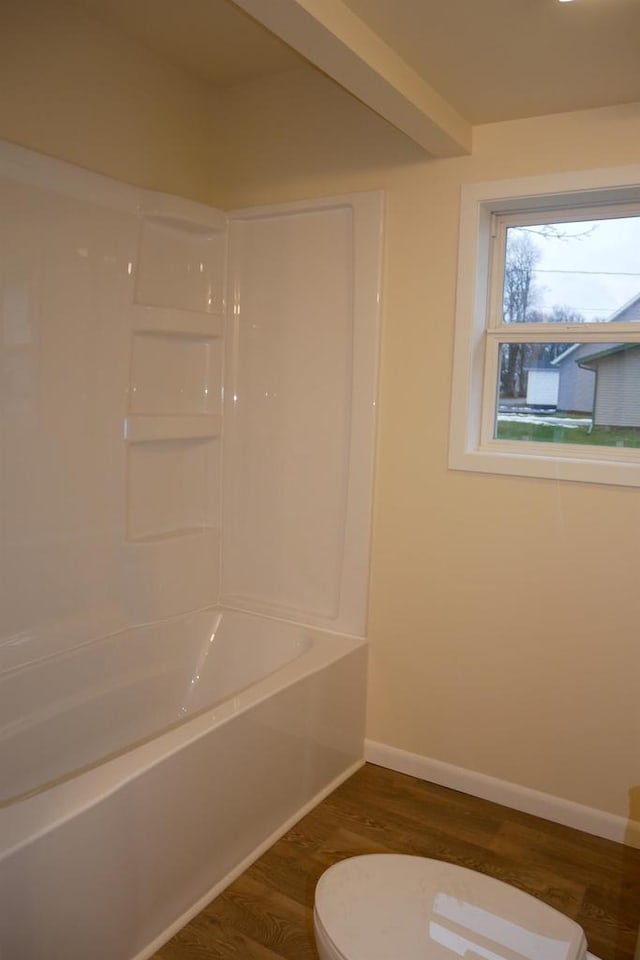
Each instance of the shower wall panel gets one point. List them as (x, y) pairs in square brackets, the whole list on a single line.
[(300, 387), (110, 405)]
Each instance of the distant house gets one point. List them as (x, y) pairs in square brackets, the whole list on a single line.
[(577, 380), (617, 385)]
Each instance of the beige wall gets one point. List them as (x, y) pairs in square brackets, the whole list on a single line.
[(504, 612), (73, 88)]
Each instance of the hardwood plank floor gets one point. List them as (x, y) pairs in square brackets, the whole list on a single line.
[(266, 914)]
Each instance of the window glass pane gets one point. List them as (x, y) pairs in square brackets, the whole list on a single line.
[(585, 393), (586, 270)]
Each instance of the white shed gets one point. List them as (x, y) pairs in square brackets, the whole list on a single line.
[(542, 388)]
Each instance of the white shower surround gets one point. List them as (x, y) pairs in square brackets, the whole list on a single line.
[(111, 416), (113, 350)]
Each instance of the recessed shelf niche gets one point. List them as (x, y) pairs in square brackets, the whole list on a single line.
[(180, 268), (171, 488), (174, 374)]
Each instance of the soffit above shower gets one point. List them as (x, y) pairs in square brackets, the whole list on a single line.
[(430, 68)]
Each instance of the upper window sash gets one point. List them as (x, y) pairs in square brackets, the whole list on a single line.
[(500, 223)]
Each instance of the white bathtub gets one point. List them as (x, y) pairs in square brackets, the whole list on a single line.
[(170, 757)]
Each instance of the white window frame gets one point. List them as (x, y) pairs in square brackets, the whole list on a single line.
[(487, 209)]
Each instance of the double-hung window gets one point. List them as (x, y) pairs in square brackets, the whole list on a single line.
[(546, 379)]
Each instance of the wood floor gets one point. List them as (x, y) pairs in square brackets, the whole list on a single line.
[(267, 913)]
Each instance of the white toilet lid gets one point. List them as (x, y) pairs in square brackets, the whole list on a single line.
[(393, 907)]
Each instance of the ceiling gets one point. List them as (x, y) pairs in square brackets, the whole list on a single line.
[(212, 39), (488, 60), (505, 59)]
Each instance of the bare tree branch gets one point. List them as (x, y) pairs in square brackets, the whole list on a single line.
[(551, 231)]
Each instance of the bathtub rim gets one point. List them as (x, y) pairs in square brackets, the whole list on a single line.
[(25, 820)]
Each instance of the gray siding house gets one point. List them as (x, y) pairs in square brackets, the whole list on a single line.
[(617, 392), (577, 382)]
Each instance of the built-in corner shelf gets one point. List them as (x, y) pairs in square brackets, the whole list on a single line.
[(174, 322), (175, 534), (154, 427)]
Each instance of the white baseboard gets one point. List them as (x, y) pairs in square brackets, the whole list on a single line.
[(570, 814)]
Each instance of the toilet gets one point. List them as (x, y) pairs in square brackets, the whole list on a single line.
[(396, 907)]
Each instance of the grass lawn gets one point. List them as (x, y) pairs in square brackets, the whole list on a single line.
[(555, 433)]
